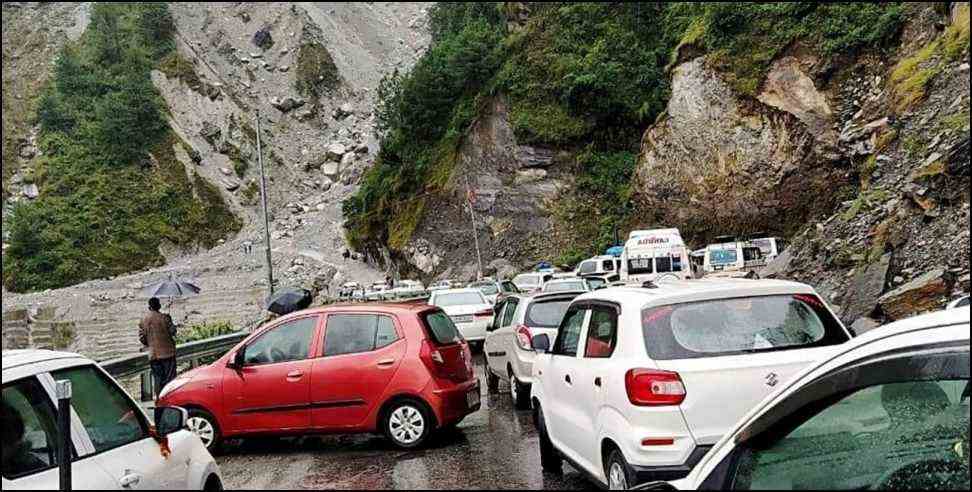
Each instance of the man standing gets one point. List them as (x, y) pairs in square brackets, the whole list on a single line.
[(157, 332)]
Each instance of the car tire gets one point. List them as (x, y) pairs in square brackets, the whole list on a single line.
[(519, 392), (618, 472), (213, 484), (204, 425), (492, 381), (407, 424), (550, 459)]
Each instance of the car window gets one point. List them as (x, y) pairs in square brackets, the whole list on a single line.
[(488, 289), (608, 265), (739, 326), (509, 288), (587, 267), (547, 314), (568, 337), (108, 415), (903, 436), (357, 333), (29, 426), (577, 286), (440, 328), (286, 343), (641, 266), (459, 299), (602, 333), (510, 310), (596, 283), (498, 318)]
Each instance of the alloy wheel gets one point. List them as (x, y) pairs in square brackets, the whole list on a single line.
[(618, 479), (407, 425), (202, 428)]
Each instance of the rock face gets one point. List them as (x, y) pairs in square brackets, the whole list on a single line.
[(867, 285), (925, 293), (718, 164)]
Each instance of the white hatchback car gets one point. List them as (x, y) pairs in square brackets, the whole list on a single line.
[(508, 347), (574, 284), (469, 310), (889, 411), (111, 435), (646, 380)]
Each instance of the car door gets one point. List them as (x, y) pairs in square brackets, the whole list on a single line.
[(119, 433), (30, 443), (361, 354), (495, 347), (271, 392), (592, 374), (563, 411)]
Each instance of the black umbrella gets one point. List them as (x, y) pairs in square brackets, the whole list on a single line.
[(290, 301), (172, 288)]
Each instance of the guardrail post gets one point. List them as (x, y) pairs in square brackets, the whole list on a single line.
[(146, 384), (63, 393)]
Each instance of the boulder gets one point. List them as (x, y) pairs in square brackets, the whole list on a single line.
[(865, 290), (501, 269), (527, 176), (926, 293), (326, 184), (332, 170), (230, 184), (348, 160), (226, 171), (287, 104), (863, 326), (27, 151), (343, 111), (335, 152), (529, 157), (263, 39), (778, 267), (963, 284)]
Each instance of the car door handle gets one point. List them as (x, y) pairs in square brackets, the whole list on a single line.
[(597, 382), (130, 480), (386, 362), (295, 375)]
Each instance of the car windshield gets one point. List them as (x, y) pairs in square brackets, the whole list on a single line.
[(547, 314), (596, 283), (488, 289), (527, 281), (723, 257), (739, 326), (577, 286), (441, 328), (459, 299), (900, 436), (587, 267)]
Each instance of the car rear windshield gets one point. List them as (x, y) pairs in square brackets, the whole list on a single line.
[(527, 280), (440, 328), (547, 314), (459, 299), (739, 326), (565, 287)]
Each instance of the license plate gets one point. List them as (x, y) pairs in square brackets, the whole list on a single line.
[(473, 398), (462, 319)]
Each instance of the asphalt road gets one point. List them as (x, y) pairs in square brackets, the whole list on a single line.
[(495, 448)]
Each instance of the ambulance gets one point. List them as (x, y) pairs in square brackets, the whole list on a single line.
[(655, 254)]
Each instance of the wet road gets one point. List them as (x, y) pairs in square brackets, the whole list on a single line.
[(495, 448)]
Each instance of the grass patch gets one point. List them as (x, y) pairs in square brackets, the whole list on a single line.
[(932, 170), (205, 331), (250, 194), (867, 170), (956, 122), (317, 74)]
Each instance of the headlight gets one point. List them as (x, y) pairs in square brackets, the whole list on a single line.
[(174, 385)]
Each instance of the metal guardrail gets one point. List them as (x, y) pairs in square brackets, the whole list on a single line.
[(192, 353)]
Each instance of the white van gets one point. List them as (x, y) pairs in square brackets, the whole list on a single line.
[(598, 266), (732, 256), (651, 255), (770, 247)]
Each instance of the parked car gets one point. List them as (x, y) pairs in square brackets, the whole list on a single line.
[(444, 285), (408, 289), (530, 283), (469, 309), (599, 266), (402, 370), (567, 285), (112, 438), (889, 411), (508, 348), (376, 292), (348, 289), (494, 290), (601, 282), (962, 302), (650, 378)]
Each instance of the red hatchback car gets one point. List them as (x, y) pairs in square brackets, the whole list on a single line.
[(400, 370)]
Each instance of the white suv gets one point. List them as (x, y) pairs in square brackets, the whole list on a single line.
[(642, 382), (508, 347), (112, 440)]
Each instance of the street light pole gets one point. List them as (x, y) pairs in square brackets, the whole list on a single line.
[(472, 216), (62, 390), (263, 197)]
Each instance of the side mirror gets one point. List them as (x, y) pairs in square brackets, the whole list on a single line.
[(541, 344), (239, 359), (169, 420)]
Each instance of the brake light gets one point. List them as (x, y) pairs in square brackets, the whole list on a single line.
[(813, 301), (433, 360), (524, 338), (650, 388)]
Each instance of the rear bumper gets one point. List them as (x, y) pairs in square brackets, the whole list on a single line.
[(646, 474), (452, 405)]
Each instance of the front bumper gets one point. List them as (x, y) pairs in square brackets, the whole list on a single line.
[(646, 474)]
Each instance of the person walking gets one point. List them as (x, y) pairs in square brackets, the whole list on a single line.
[(157, 332)]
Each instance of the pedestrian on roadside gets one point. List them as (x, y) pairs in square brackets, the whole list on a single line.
[(157, 332)]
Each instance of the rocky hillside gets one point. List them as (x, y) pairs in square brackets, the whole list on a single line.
[(309, 70), (841, 127)]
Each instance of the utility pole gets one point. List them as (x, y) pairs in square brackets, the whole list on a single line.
[(472, 216), (263, 196)]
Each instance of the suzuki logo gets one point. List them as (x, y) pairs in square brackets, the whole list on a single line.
[(772, 380)]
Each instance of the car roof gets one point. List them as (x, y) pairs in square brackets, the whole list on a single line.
[(19, 358), (570, 280), (458, 291), (405, 307), (679, 291)]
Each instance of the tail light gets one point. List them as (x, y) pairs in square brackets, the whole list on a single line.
[(811, 300), (524, 338), (440, 368), (650, 388)]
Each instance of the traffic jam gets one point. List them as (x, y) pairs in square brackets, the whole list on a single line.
[(649, 368)]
